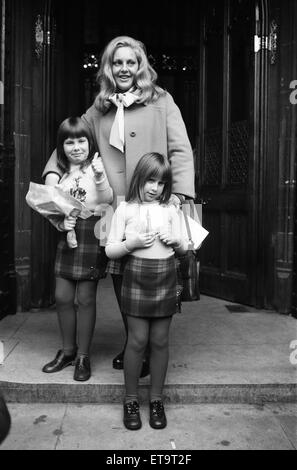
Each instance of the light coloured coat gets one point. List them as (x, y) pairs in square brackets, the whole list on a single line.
[(156, 127)]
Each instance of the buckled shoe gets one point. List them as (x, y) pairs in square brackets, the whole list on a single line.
[(132, 419), (157, 415), (82, 371), (60, 362)]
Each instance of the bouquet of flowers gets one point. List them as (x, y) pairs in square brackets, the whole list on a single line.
[(53, 201)]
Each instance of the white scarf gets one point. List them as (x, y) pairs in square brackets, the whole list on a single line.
[(117, 133)]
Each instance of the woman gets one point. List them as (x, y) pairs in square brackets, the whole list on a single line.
[(132, 116)]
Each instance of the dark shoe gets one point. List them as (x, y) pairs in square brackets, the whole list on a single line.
[(132, 419), (60, 362), (157, 415), (145, 367), (118, 361), (82, 371)]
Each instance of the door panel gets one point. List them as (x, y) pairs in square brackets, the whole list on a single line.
[(224, 153)]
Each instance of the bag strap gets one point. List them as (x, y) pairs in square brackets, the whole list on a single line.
[(191, 243), (192, 206)]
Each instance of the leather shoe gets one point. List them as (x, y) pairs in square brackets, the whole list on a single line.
[(82, 371), (60, 361), (132, 419), (118, 363), (157, 415)]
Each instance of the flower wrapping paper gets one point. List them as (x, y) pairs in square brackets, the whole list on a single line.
[(52, 200)]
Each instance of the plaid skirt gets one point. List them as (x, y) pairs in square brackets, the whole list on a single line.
[(116, 266), (86, 262), (149, 287)]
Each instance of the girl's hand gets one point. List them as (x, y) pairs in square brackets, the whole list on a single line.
[(97, 166), (68, 223), (140, 240), (169, 240)]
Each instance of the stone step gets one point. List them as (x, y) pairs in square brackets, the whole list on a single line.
[(173, 393)]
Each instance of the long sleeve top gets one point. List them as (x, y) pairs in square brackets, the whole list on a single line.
[(131, 218), (82, 184)]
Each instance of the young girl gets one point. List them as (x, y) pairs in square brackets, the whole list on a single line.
[(150, 229), (78, 269)]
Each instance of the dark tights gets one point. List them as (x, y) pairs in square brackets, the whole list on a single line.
[(141, 332), (117, 280), (76, 329)]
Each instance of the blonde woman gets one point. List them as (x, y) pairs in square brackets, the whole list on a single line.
[(130, 117)]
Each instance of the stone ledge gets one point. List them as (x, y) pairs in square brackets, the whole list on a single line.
[(173, 393)]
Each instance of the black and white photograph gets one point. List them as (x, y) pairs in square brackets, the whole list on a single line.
[(148, 230)]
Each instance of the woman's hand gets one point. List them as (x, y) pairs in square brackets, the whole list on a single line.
[(97, 166), (140, 240), (68, 223), (175, 201)]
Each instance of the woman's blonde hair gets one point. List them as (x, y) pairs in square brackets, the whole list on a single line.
[(146, 76)]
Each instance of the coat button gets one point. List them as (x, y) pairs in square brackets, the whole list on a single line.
[(132, 134)]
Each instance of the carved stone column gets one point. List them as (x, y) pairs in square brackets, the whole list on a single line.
[(22, 85)]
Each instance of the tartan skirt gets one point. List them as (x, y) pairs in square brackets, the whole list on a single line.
[(116, 266), (86, 262), (149, 287)]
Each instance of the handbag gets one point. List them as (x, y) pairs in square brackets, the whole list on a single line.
[(188, 267)]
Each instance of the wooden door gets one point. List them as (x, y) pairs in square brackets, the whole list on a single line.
[(226, 162)]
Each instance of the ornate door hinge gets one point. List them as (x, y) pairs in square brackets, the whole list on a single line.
[(38, 37), (267, 42), (48, 38), (43, 37), (261, 42)]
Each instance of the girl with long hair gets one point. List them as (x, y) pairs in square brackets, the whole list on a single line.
[(146, 231)]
